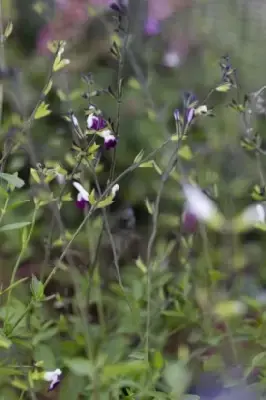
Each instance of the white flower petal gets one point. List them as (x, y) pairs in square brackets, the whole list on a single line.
[(90, 121), (107, 134), (199, 204), (115, 189), (83, 192), (253, 214), (52, 376)]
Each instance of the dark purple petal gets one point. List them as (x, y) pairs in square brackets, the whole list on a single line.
[(81, 204), (190, 222), (98, 123), (110, 142)]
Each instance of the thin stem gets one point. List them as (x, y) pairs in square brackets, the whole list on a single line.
[(94, 206)]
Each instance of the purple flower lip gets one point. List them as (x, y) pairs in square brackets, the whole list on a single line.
[(96, 123), (110, 142), (190, 222), (82, 197), (81, 204)]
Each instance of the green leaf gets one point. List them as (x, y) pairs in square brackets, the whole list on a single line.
[(149, 206), (35, 175), (225, 87), (59, 64), (80, 366), (125, 369), (12, 179), (42, 111), (8, 29), (177, 377), (138, 157), (106, 202), (4, 341), (11, 227), (185, 152), (37, 288), (157, 360), (44, 354)]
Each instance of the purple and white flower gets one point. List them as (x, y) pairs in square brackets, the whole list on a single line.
[(96, 122), (82, 197), (53, 377), (200, 205)]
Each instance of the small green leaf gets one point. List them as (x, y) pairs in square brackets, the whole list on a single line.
[(157, 360), (8, 29), (42, 111), (106, 202), (134, 84), (140, 264), (37, 288), (59, 64), (150, 206), (125, 369), (138, 157), (225, 87), (185, 152), (12, 179), (35, 175), (4, 341), (11, 227)]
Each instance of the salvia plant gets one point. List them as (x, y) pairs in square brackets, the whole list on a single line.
[(112, 312)]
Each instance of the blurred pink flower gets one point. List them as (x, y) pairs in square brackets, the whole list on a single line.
[(71, 14)]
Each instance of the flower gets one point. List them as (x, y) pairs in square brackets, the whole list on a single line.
[(171, 59), (201, 110), (53, 377), (190, 113), (82, 197), (96, 122), (110, 141), (177, 115), (203, 208)]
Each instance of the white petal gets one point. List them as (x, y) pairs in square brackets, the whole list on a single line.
[(52, 376), (75, 120), (253, 214), (199, 204), (83, 192), (106, 133), (172, 59), (115, 189), (90, 120)]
